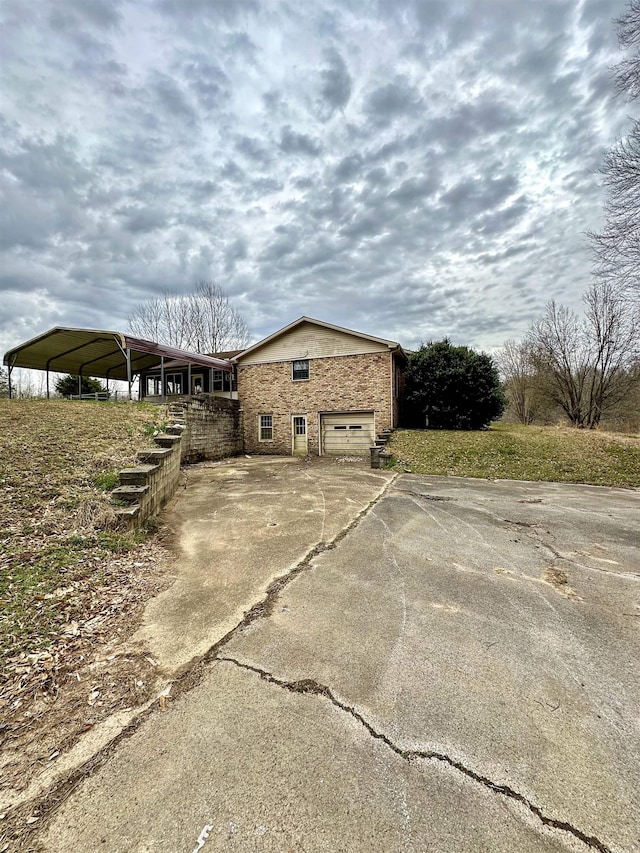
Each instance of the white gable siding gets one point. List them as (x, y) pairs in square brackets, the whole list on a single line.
[(310, 341)]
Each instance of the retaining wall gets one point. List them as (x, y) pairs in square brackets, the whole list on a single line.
[(205, 427), (212, 427)]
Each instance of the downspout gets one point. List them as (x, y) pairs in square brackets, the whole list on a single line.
[(391, 399)]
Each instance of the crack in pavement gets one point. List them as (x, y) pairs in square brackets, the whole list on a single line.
[(313, 687), (45, 805), (532, 532)]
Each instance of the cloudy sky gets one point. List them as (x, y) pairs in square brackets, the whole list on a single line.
[(408, 168)]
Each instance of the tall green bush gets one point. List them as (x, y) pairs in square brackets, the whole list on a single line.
[(67, 386), (449, 387)]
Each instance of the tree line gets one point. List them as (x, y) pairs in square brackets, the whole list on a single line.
[(588, 367), (584, 368)]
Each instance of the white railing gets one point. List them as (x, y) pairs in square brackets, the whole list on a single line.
[(96, 395)]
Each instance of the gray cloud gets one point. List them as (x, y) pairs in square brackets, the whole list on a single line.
[(336, 82), (414, 168), (391, 101), (298, 143)]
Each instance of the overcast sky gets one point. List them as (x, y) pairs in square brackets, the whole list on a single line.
[(408, 168)]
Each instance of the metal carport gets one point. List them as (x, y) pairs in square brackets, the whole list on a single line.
[(98, 352)]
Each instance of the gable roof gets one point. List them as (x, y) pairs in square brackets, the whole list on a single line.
[(322, 324), (101, 352)]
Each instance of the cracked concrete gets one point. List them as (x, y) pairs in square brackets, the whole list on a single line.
[(267, 514), (420, 687), (310, 686)]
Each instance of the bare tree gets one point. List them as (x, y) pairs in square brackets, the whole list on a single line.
[(587, 366), (215, 321), (203, 321), (613, 328), (515, 362), (617, 246)]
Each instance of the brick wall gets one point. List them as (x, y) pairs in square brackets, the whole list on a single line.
[(343, 383), (212, 428)]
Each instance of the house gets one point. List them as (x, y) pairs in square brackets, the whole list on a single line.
[(309, 388), (315, 388)]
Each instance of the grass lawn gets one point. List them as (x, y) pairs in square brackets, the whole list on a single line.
[(58, 460), (515, 452)]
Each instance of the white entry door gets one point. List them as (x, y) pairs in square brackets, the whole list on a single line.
[(299, 429)]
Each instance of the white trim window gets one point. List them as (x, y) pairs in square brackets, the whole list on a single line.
[(265, 427), (300, 370), (221, 380)]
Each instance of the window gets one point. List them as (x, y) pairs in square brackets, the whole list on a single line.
[(265, 432), (174, 383), (300, 369), (221, 380), (153, 387)]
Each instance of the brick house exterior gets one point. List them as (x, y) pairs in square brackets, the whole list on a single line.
[(317, 388)]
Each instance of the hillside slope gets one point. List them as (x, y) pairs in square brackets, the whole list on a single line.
[(70, 582)]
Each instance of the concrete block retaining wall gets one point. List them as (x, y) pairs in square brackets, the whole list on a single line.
[(212, 427), (145, 488), (203, 428)]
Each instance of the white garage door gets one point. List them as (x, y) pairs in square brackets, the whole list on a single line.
[(348, 433)]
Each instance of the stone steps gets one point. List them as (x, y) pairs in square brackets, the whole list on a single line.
[(145, 487)]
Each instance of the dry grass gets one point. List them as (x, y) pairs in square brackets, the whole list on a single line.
[(515, 452), (56, 527), (72, 586)]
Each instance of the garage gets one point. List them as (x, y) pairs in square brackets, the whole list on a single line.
[(347, 433)]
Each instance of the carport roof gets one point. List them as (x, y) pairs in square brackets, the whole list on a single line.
[(98, 352)]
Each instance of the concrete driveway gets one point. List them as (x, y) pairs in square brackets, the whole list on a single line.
[(459, 672)]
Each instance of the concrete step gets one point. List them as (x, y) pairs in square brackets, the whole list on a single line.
[(166, 439), (130, 494), (136, 476), (154, 456), (127, 513), (175, 429)]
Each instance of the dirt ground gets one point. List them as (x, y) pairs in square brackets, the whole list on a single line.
[(49, 699)]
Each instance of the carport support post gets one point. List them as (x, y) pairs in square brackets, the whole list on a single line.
[(47, 383), (189, 378), (80, 383), (127, 355), (162, 390), (9, 380)]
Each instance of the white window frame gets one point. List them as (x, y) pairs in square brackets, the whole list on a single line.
[(262, 427), (221, 380), (300, 378)]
